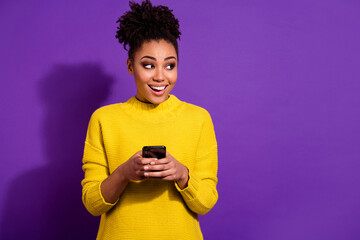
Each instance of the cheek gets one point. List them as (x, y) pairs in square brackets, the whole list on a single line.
[(172, 77), (141, 76)]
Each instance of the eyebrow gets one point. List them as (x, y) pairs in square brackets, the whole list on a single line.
[(171, 57)]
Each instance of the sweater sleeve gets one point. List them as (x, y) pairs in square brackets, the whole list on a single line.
[(200, 195), (95, 167)]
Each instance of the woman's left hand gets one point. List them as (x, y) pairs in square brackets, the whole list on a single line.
[(168, 168)]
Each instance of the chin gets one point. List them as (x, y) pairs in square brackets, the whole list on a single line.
[(158, 100)]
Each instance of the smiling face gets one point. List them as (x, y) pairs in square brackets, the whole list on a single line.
[(155, 70)]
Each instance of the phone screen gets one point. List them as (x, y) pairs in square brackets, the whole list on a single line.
[(154, 152)]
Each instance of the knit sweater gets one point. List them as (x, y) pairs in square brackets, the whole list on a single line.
[(151, 208)]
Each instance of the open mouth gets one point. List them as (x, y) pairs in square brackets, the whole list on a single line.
[(157, 89)]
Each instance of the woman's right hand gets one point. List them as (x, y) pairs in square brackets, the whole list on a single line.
[(133, 169)]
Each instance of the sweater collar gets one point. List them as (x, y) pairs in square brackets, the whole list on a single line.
[(153, 112)]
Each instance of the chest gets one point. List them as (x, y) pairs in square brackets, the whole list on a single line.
[(124, 137)]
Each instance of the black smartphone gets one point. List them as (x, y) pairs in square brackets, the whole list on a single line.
[(154, 152)]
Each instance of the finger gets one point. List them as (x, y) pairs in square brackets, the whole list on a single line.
[(169, 178), (161, 167), (146, 161), (160, 174), (160, 161), (140, 173)]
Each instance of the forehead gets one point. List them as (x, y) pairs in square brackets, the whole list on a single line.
[(158, 49)]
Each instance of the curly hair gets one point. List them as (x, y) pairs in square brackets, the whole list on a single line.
[(146, 22)]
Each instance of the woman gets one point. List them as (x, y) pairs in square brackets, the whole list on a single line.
[(149, 198)]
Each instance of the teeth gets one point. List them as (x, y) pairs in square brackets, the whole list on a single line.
[(158, 88)]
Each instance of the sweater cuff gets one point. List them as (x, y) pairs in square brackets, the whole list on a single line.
[(191, 191), (99, 204)]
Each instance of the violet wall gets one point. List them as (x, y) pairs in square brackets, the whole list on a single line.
[(280, 79)]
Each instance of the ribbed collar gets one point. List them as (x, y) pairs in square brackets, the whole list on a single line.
[(164, 111)]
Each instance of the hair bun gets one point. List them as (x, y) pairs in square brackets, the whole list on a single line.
[(146, 22)]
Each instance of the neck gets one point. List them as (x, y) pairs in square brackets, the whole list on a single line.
[(146, 111), (148, 102)]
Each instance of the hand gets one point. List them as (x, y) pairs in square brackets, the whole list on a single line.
[(167, 168), (133, 169)]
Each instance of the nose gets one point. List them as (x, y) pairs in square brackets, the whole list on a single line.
[(159, 75)]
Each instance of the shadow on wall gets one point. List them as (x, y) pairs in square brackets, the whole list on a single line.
[(45, 203)]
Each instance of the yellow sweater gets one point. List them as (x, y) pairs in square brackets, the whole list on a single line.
[(151, 209)]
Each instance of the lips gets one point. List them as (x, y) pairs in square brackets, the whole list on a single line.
[(158, 88)]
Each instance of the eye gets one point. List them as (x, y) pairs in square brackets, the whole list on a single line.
[(148, 66), (170, 66)]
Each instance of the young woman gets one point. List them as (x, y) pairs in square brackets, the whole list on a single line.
[(149, 198)]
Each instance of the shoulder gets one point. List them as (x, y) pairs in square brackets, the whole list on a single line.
[(105, 112), (196, 112)]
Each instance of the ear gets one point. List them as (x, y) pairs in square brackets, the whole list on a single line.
[(130, 67)]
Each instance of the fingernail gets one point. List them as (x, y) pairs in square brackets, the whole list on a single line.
[(152, 163), (146, 174), (146, 167)]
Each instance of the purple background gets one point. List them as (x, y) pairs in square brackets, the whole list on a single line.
[(280, 79)]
